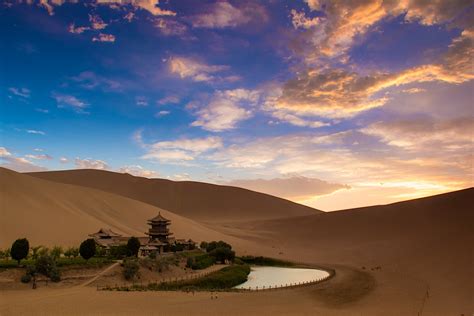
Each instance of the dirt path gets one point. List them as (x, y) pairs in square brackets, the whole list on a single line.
[(101, 273)]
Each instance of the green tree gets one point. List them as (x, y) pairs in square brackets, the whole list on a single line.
[(56, 252), (87, 248), (222, 254), (130, 268), (46, 265), (133, 246), (71, 252), (20, 249), (203, 245)]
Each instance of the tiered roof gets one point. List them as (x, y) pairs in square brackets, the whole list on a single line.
[(159, 219)]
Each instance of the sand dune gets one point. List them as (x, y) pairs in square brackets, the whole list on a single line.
[(196, 200), (386, 257), (50, 213), (420, 245)]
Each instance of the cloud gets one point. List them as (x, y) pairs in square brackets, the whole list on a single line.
[(90, 164), (65, 100), (141, 101), (90, 80), (226, 109), (295, 187), (139, 171), (96, 22), (168, 27), (162, 113), (170, 99), (19, 164), (420, 134), (299, 20), (181, 150), (190, 68), (223, 14), (77, 30), (63, 160), (102, 37), (39, 157), (339, 93), (148, 5), (344, 20), (21, 92), (32, 131)]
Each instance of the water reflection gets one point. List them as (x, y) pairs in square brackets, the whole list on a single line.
[(265, 277)]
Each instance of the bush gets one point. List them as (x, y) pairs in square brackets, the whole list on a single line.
[(222, 254), (72, 252), (203, 245), (87, 248), (264, 261), (26, 278), (56, 252), (130, 269), (133, 246), (217, 244), (20, 249), (46, 265), (200, 262), (119, 252)]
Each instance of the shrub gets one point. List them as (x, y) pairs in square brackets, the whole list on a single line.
[(46, 265), (200, 262), (130, 269), (72, 252), (133, 246), (20, 249), (217, 244), (264, 261), (203, 245), (222, 254), (25, 278), (119, 252), (87, 248), (56, 252)]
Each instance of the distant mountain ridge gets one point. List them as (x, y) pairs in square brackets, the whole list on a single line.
[(195, 200)]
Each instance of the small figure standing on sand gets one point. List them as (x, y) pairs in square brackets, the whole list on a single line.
[(34, 283)]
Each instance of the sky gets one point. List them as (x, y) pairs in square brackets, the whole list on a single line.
[(333, 104)]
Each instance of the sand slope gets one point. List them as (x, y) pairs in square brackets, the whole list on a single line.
[(420, 245), (51, 213), (196, 200)]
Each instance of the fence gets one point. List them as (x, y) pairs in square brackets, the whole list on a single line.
[(135, 285), (143, 286)]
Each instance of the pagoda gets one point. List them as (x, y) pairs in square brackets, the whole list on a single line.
[(159, 231)]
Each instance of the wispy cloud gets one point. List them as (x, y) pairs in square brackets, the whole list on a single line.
[(32, 131), (190, 68), (102, 37), (225, 109), (65, 100), (16, 163), (223, 14), (139, 171), (20, 92), (89, 163)]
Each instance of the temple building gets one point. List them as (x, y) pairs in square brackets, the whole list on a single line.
[(159, 238)]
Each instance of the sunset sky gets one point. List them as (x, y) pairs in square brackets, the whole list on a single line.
[(334, 104)]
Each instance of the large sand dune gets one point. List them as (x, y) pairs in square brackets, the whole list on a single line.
[(196, 200), (387, 258), (50, 213)]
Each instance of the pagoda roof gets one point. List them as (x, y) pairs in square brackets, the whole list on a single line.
[(104, 232), (159, 218)]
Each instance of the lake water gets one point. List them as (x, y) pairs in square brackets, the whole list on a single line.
[(276, 276)]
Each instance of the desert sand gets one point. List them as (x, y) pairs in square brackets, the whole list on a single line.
[(399, 259)]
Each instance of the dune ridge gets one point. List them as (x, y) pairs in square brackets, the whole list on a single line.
[(196, 200)]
